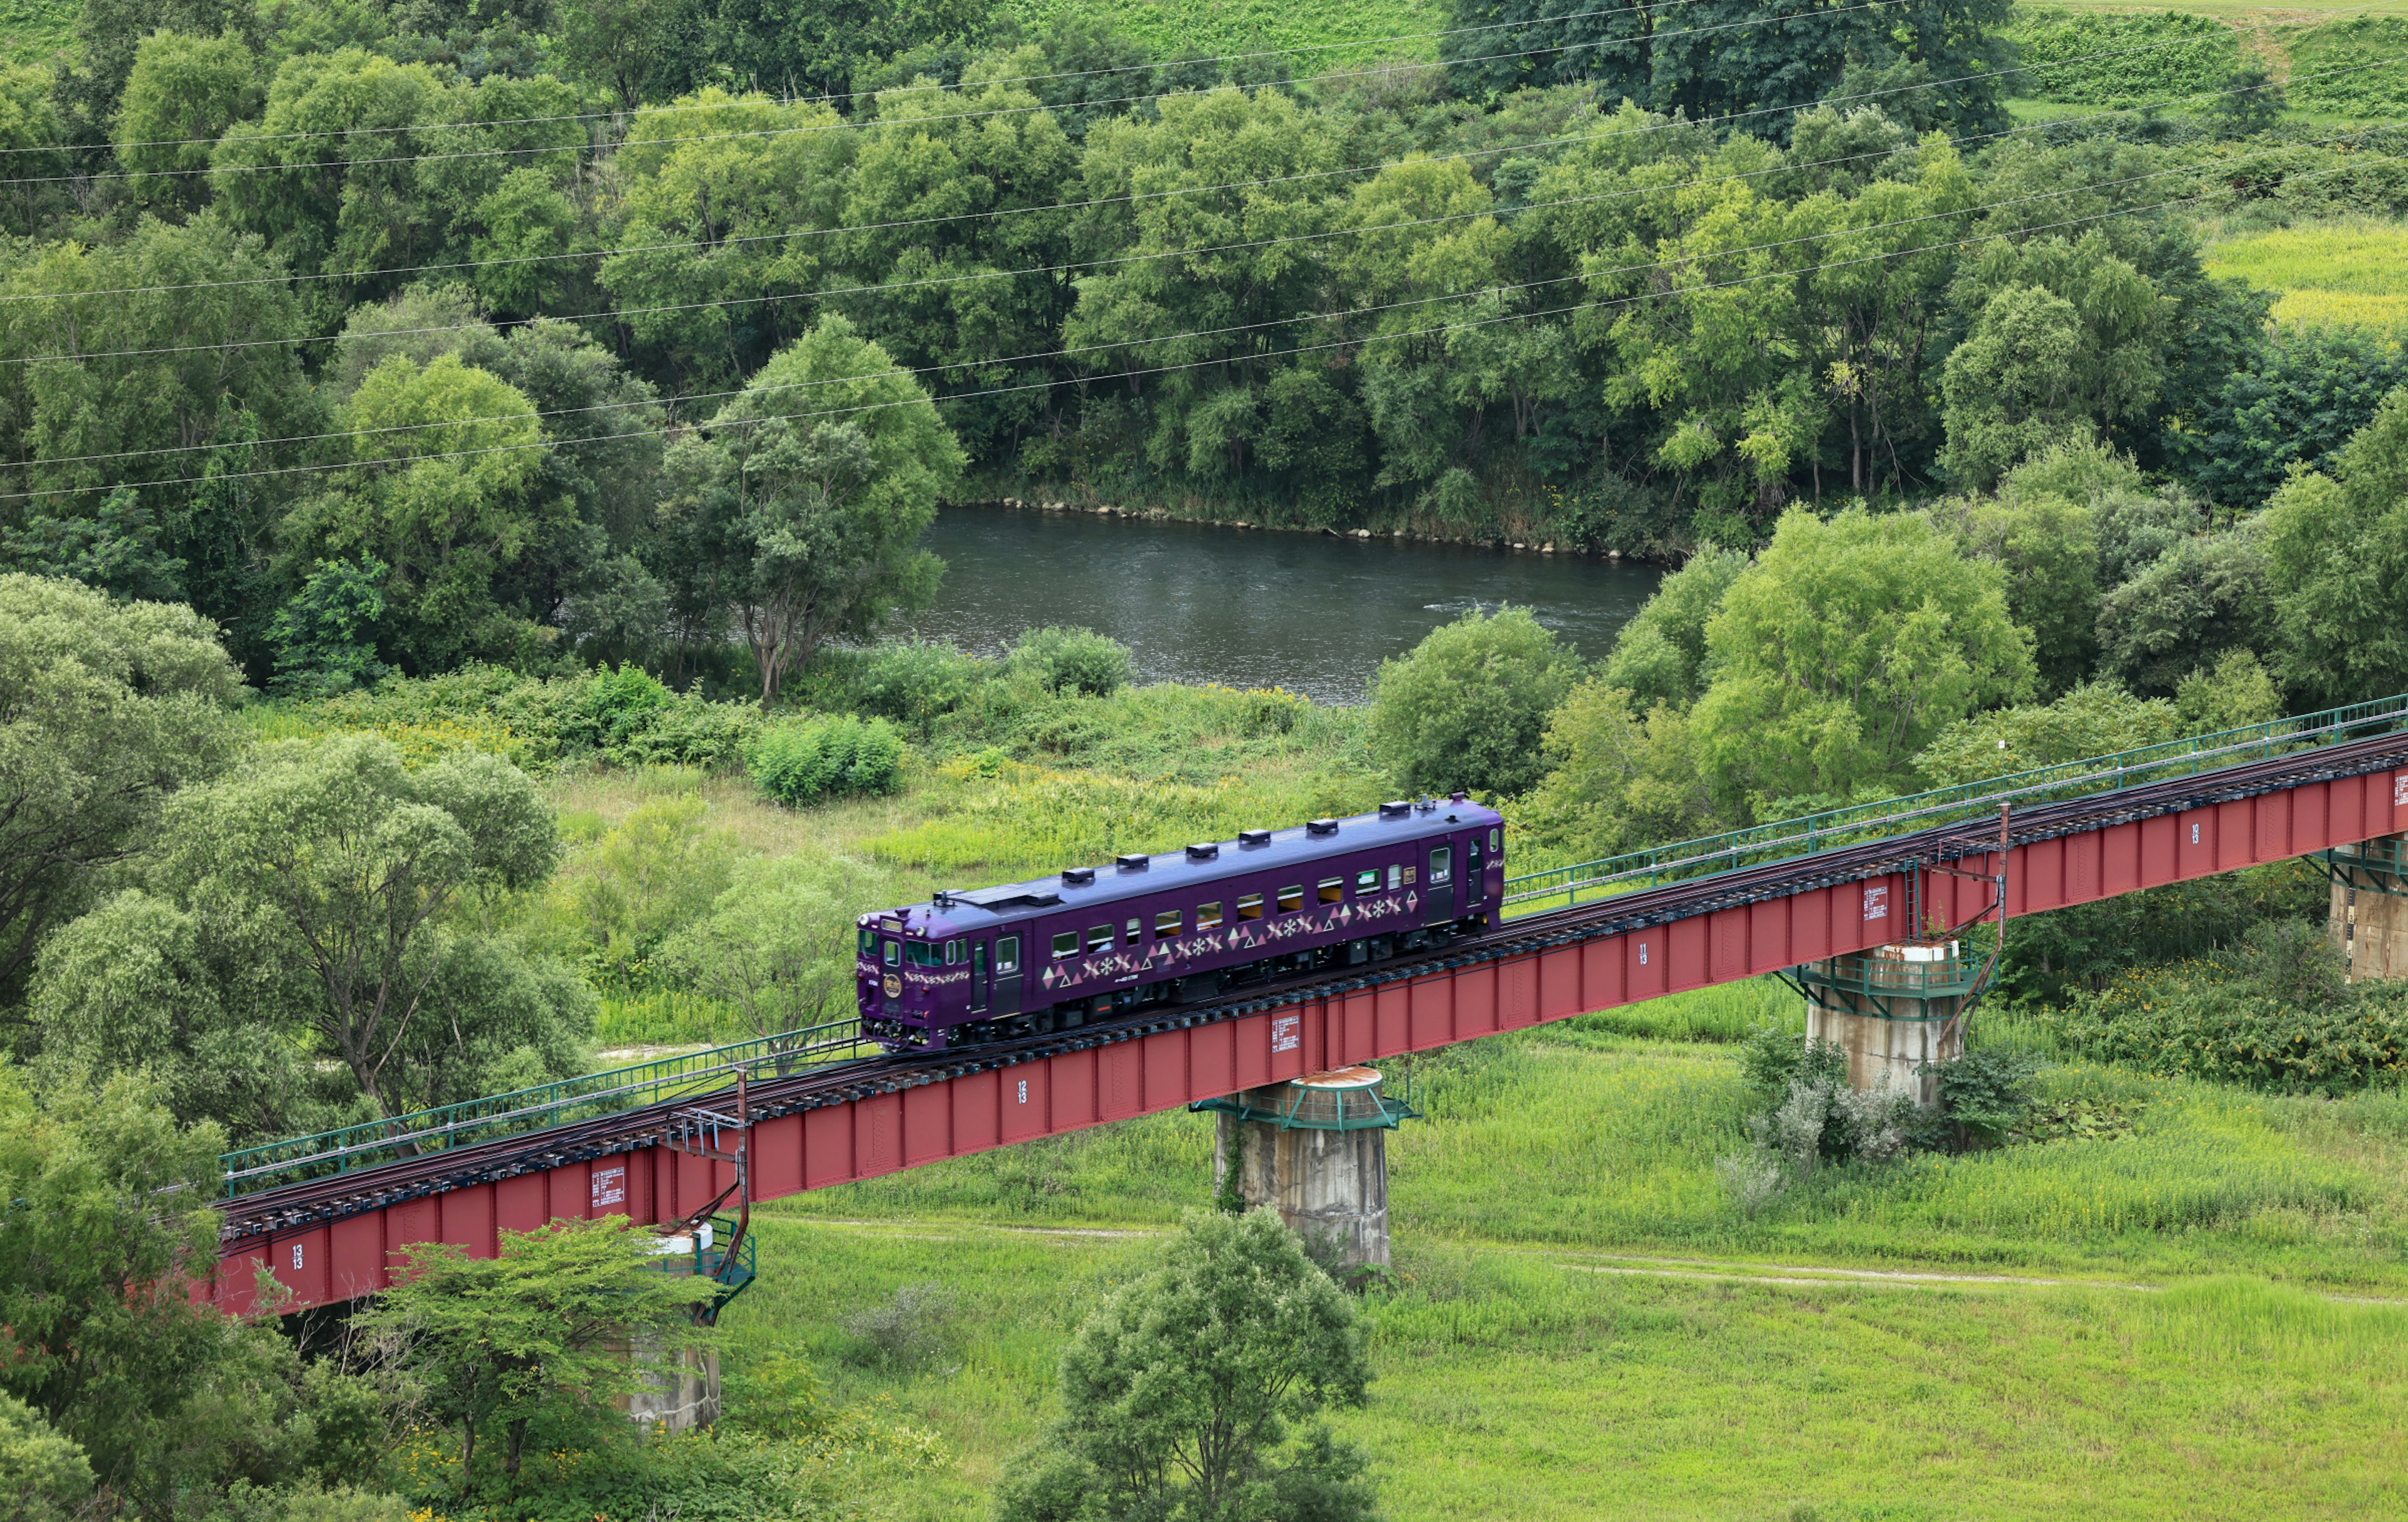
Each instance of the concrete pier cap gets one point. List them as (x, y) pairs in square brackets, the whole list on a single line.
[(1316, 1150)]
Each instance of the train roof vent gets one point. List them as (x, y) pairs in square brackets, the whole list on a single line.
[(1203, 851), (1321, 826), (1399, 809), (1077, 877), (1458, 795), (1134, 862), (1254, 837)]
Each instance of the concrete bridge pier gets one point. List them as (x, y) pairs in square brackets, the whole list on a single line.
[(1316, 1150), (2369, 921), (678, 1392), (1892, 1010)]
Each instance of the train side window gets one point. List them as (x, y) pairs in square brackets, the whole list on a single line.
[(1493, 844), (1471, 859), (1007, 956), (893, 953), (1442, 866), (1066, 944), (1166, 924), (1132, 933), (1208, 916), (952, 952), (1099, 938), (1395, 875), (1333, 889), (1291, 899), (1251, 907), (1367, 880)]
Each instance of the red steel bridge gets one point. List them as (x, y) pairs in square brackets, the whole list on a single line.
[(665, 1142)]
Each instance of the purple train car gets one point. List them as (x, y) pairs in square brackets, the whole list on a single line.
[(1029, 958)]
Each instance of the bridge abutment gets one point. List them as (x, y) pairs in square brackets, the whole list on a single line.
[(1893, 1009), (1315, 1150), (2369, 921)]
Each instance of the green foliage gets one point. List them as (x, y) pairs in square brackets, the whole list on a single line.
[(2329, 62), (1617, 780), (2049, 550), (2299, 401), (2274, 1010), (916, 683), (624, 717), (801, 514), (2152, 54), (1986, 1095), (106, 709), (1065, 661), (2337, 553), (167, 1399), (1844, 650), (183, 92), (540, 1330), (2051, 957), (776, 946), (1468, 707), (324, 635), (2097, 718), (2067, 339), (810, 760), (47, 1474), (1661, 654), (1180, 1392), (654, 873), (2202, 600)]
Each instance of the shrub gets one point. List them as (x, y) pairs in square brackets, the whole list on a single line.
[(2115, 59), (916, 683), (1065, 661), (804, 761), (1467, 708), (2274, 1012), (910, 1329), (1985, 1096)]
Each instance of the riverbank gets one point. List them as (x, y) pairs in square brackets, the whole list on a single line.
[(1401, 535)]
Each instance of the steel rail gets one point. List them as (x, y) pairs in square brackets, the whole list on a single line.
[(308, 1202)]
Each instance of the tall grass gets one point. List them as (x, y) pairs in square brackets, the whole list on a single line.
[(665, 1017), (2349, 273)]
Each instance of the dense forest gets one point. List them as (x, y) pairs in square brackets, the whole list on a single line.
[(459, 468), (391, 338)]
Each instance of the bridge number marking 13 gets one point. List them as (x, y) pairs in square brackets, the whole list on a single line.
[(2194, 832), (296, 1255)]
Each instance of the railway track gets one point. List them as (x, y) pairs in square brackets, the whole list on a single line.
[(310, 1201)]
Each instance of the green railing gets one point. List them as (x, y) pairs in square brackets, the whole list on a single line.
[(1560, 887), (2388, 855), (1948, 977), (472, 1121)]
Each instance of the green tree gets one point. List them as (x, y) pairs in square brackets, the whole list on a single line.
[(444, 491), (2336, 548), (798, 519), (778, 945), (346, 862), (2065, 340), (2096, 718), (110, 1218), (1182, 1392), (541, 1329), (2049, 550), (1844, 650), (1618, 780), (2204, 597), (325, 634), (1467, 708), (44, 1474), (2299, 399), (638, 50), (183, 93), (106, 709), (1661, 654)]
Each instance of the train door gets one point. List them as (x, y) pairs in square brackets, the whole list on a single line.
[(1438, 888), (978, 988), (1007, 975)]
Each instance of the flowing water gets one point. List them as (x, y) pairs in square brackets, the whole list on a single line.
[(1200, 603)]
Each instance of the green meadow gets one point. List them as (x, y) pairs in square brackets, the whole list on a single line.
[(2352, 273), (2201, 1313)]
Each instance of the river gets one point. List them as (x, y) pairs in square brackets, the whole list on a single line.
[(1199, 602)]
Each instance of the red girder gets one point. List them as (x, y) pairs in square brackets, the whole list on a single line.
[(1049, 1095)]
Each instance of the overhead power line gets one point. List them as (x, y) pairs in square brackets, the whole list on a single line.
[(853, 125), (1067, 352), (689, 245)]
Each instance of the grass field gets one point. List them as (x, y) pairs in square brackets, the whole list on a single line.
[(2207, 1317), (2353, 273)]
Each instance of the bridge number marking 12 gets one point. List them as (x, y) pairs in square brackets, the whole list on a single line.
[(1024, 1091), (2194, 832)]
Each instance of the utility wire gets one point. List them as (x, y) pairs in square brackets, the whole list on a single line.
[(895, 286), (1124, 375), (853, 126)]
